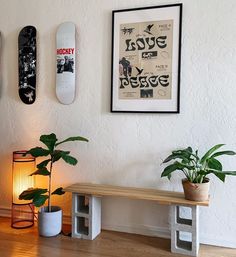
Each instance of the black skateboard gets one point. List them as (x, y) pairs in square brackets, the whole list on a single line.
[(27, 64)]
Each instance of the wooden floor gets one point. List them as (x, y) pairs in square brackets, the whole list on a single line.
[(27, 243)]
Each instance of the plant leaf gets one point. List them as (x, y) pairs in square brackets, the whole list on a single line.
[(49, 140), (38, 151), (43, 164), (169, 169), (203, 172), (196, 155), (189, 149), (57, 155), (58, 191), (230, 173), (69, 159), (214, 164), (223, 153), (77, 138), (43, 172), (184, 154), (36, 195), (209, 152), (30, 193), (39, 200), (219, 175), (200, 176), (174, 156)]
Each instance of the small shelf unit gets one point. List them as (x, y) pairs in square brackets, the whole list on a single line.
[(86, 212)]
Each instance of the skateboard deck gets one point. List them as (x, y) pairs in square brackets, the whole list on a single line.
[(65, 78), (27, 64)]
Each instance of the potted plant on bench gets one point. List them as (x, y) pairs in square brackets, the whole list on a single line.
[(49, 217), (196, 170)]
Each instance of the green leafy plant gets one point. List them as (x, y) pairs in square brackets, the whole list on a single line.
[(197, 169), (45, 168)]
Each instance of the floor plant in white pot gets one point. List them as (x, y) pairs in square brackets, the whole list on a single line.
[(49, 217), (196, 170)]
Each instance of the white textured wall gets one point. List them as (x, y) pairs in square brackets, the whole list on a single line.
[(124, 149)]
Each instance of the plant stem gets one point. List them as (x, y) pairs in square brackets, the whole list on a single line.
[(186, 175), (50, 187)]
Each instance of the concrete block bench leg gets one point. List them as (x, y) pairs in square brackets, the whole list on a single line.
[(184, 231), (86, 216)]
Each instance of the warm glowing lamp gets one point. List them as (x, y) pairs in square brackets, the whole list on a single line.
[(22, 211)]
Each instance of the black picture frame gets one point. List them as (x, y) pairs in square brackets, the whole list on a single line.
[(163, 70)]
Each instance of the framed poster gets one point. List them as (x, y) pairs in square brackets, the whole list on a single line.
[(146, 44)]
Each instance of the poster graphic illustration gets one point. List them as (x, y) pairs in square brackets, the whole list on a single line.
[(65, 60), (145, 60)]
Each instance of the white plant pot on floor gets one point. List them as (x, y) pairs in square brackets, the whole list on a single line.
[(49, 223)]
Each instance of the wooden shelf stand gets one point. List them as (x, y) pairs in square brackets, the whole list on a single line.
[(86, 212)]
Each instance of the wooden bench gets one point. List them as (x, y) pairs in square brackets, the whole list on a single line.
[(86, 212)]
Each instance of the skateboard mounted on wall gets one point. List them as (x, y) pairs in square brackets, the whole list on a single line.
[(27, 64), (65, 70)]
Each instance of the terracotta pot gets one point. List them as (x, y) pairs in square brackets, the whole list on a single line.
[(196, 191)]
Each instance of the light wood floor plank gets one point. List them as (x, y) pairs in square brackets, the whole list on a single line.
[(27, 243)]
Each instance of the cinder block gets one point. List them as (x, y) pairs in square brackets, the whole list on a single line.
[(86, 216), (181, 224)]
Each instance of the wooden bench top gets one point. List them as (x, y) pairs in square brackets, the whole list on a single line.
[(160, 196)]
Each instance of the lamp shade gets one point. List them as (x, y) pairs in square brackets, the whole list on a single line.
[(23, 166), (22, 211)]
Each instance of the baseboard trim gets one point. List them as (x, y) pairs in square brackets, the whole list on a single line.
[(139, 229), (5, 212), (218, 242)]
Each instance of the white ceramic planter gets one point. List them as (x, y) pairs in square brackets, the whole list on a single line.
[(49, 223)]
